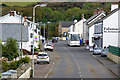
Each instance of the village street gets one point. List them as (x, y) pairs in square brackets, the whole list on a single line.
[(72, 62)]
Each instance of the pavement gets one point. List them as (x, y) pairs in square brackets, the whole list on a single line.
[(110, 65)]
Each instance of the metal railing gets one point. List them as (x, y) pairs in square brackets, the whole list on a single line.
[(114, 50)]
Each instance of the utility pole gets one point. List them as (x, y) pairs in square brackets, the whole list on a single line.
[(47, 25), (21, 36), (44, 32)]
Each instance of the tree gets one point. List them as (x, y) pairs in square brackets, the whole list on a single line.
[(10, 50)]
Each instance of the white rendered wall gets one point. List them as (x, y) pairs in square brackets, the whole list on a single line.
[(91, 34), (79, 27), (108, 37)]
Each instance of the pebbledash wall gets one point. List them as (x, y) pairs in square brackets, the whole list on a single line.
[(111, 30)]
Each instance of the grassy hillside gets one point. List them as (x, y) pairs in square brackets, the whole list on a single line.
[(20, 4)]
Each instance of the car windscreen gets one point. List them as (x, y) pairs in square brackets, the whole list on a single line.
[(42, 54), (97, 48), (75, 37), (49, 44)]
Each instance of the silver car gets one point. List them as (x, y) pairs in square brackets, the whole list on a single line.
[(104, 52), (97, 50)]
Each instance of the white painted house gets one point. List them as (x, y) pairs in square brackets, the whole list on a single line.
[(107, 30), (12, 23), (77, 27), (88, 28)]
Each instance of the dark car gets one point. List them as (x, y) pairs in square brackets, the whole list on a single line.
[(54, 40)]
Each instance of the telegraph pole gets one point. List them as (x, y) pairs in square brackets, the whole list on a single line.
[(21, 36), (47, 25)]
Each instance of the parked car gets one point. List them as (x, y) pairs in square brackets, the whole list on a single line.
[(97, 50), (91, 48), (54, 40), (42, 57), (104, 52), (87, 46), (48, 46)]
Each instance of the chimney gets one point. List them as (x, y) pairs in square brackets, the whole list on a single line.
[(82, 16), (114, 6), (25, 21), (11, 13), (98, 10)]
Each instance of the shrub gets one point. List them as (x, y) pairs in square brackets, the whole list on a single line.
[(13, 65), (5, 66), (25, 60), (39, 45), (10, 49), (35, 49)]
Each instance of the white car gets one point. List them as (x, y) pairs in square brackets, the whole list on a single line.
[(97, 50), (48, 46), (91, 48), (42, 57)]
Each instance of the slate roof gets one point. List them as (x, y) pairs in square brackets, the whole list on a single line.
[(66, 24), (112, 12), (14, 31), (92, 17)]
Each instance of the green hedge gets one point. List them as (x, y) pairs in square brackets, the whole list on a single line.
[(114, 50), (14, 65)]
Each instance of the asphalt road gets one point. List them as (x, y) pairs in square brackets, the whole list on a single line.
[(77, 62), (72, 62)]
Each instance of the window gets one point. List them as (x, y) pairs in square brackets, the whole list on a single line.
[(31, 35), (35, 30), (75, 37)]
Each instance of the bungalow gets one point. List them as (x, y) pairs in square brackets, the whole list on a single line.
[(107, 29), (11, 27)]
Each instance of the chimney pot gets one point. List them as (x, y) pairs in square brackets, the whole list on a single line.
[(11, 13)]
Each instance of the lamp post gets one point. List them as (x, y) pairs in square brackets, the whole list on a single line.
[(42, 5)]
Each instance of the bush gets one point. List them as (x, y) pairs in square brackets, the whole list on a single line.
[(25, 60), (35, 49), (5, 66), (14, 65)]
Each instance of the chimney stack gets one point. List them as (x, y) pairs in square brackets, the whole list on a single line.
[(25, 21), (114, 6), (11, 13), (98, 10), (82, 16)]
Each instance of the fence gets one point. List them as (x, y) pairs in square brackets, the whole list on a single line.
[(114, 50)]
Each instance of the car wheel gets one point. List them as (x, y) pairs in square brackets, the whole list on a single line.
[(48, 62), (37, 62), (101, 55), (52, 50), (93, 53)]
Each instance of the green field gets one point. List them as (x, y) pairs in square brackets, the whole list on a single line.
[(21, 4)]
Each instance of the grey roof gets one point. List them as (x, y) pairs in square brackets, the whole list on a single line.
[(92, 17), (66, 23), (108, 15), (14, 31)]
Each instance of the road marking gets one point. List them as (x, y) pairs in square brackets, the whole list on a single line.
[(49, 71), (75, 60)]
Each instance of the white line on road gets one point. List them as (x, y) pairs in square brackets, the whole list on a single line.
[(75, 61), (49, 71)]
